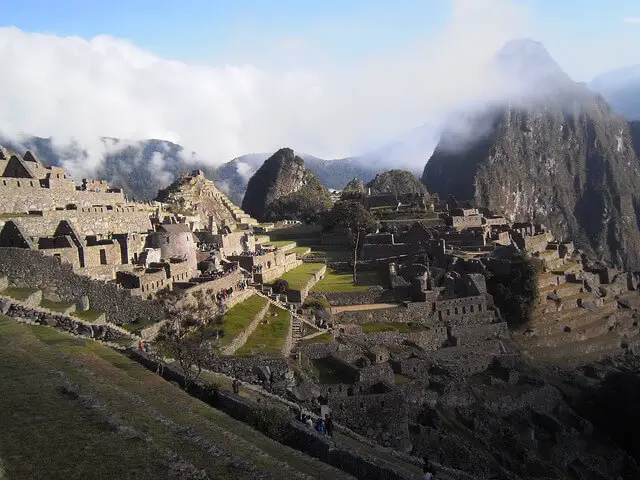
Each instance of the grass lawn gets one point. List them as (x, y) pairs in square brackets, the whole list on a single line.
[(324, 338), (239, 317), (300, 250), (391, 327), (19, 293), (278, 243), (73, 408), (88, 316), (272, 335), (55, 306), (335, 281), (300, 276), (400, 379)]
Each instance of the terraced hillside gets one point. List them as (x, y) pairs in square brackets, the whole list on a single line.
[(72, 408)]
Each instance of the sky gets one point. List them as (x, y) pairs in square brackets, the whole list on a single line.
[(331, 78)]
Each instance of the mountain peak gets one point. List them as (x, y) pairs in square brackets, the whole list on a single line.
[(527, 63)]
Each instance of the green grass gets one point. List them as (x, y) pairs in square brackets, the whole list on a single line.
[(335, 281), (239, 317), (391, 327), (19, 293), (300, 250), (272, 335), (278, 243), (127, 422), (324, 338), (55, 306), (300, 276), (400, 379), (88, 315)]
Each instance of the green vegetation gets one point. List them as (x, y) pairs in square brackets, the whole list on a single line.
[(55, 306), (272, 335), (516, 294), (350, 215), (300, 251), (88, 315), (400, 379), (238, 318), (316, 302), (335, 281), (73, 408), (279, 243), (300, 276), (391, 327), (138, 325), (19, 293), (324, 338)]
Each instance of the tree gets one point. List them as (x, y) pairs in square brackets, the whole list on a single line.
[(280, 286), (187, 342), (353, 217)]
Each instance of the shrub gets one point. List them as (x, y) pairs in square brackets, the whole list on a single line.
[(270, 421), (280, 286)]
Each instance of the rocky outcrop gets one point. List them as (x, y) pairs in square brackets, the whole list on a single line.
[(396, 182), (283, 188), (562, 158), (354, 187)]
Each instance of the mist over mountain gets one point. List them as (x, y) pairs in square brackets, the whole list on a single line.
[(621, 89), (559, 156)]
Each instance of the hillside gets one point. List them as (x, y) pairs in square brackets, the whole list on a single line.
[(76, 409), (283, 188), (396, 182), (561, 158)]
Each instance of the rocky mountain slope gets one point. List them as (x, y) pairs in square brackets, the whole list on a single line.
[(195, 194), (559, 156), (621, 89), (283, 187), (396, 181)]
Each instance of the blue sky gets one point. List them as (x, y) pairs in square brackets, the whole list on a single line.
[(226, 31)]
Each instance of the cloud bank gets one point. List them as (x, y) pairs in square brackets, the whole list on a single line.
[(71, 88), (632, 20)]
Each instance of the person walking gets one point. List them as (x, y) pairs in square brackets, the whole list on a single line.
[(328, 421)]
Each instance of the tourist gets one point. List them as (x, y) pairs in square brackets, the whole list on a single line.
[(329, 425), (429, 470), (236, 386), (321, 428), (309, 421)]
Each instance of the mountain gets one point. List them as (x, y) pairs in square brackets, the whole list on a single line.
[(142, 168), (233, 176), (397, 182), (621, 89), (559, 156), (283, 188)]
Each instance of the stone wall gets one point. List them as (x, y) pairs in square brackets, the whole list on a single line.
[(14, 198), (62, 322), (314, 351), (373, 295), (58, 282), (469, 335)]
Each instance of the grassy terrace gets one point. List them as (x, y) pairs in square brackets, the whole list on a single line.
[(19, 293), (278, 243), (324, 338), (391, 327), (55, 306), (268, 339), (72, 408), (335, 281), (300, 276), (239, 317), (87, 316)]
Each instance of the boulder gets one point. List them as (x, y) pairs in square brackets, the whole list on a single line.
[(82, 304), (4, 283), (5, 305)]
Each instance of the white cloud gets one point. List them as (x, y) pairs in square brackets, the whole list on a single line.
[(632, 20), (69, 87)]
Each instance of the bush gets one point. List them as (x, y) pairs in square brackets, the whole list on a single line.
[(270, 421), (280, 286), (516, 294)]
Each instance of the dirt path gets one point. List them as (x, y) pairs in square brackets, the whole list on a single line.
[(366, 306)]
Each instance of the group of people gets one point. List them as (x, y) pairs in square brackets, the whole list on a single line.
[(322, 426), (144, 347), (223, 294)]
